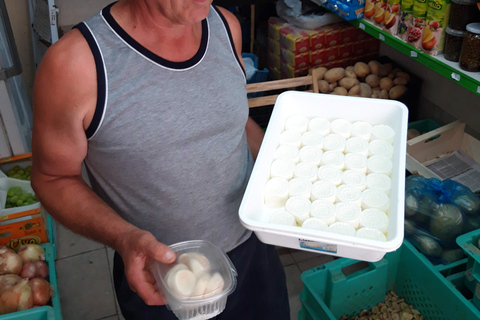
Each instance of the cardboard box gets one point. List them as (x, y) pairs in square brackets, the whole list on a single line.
[(295, 61), (22, 228), (295, 39), (274, 26), (437, 144), (317, 39), (273, 60), (322, 57), (274, 46)]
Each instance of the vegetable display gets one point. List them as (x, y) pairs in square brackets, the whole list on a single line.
[(23, 283), (368, 80)]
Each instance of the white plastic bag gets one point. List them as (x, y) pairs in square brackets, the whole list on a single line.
[(291, 11)]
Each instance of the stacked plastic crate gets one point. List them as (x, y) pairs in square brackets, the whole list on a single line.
[(292, 51)]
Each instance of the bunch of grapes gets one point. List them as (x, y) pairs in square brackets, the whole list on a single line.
[(20, 173), (16, 197), (414, 35)]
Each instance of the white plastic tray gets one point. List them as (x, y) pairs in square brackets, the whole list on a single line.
[(254, 215)]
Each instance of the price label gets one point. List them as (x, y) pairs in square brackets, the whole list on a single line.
[(413, 54), (381, 37), (455, 76), (361, 26)]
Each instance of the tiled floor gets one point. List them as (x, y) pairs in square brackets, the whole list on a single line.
[(85, 277)]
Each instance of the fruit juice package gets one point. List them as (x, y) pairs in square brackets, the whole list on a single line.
[(369, 11), (317, 39), (379, 17), (418, 24), (438, 14), (274, 26), (392, 17), (406, 18), (322, 57), (295, 39), (295, 61)]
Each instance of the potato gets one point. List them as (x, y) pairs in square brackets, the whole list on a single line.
[(354, 91), (384, 70), (319, 72), (323, 86), (400, 80), (332, 85), (334, 74), (350, 72), (340, 91), (374, 95), (374, 67), (384, 94), (386, 83), (397, 91), (372, 80), (348, 83), (376, 90), (403, 75), (361, 69), (395, 71), (365, 90), (391, 76)]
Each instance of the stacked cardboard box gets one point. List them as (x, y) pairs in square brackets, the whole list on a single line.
[(292, 51)]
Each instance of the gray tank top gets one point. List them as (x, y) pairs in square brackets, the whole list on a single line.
[(167, 146)]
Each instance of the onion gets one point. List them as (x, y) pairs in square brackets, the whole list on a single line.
[(10, 262), (16, 298), (34, 269), (8, 281), (31, 252), (42, 291)]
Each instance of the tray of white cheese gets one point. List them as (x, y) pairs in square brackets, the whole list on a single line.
[(330, 176)]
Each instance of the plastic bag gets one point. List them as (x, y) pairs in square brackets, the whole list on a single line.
[(295, 12), (436, 213)]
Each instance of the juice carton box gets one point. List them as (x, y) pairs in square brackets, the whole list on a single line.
[(324, 56), (438, 14), (317, 39), (406, 18), (392, 17), (295, 61), (274, 26), (294, 39), (379, 17), (369, 11), (419, 16)]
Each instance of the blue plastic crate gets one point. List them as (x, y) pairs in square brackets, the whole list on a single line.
[(258, 76), (329, 292), (48, 312)]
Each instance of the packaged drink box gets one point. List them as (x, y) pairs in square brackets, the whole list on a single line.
[(379, 16), (345, 51), (294, 39), (418, 24), (406, 19), (274, 26), (346, 11), (353, 2), (392, 17), (295, 61), (317, 39), (322, 57), (347, 34), (332, 37), (438, 14), (274, 46)]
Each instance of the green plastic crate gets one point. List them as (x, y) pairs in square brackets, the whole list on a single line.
[(469, 243), (424, 126), (48, 312), (329, 292)]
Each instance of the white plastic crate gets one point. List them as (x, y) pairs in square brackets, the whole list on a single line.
[(254, 215)]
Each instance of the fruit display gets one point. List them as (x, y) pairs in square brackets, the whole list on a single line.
[(17, 197), (17, 172), (392, 17)]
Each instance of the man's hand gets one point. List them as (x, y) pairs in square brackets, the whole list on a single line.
[(138, 250)]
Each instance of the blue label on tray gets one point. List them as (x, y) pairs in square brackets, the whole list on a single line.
[(314, 245)]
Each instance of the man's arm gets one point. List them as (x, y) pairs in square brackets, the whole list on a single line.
[(254, 132), (64, 101)]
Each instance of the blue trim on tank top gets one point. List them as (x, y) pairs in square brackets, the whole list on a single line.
[(101, 80), (149, 54)]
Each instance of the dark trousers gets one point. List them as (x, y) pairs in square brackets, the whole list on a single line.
[(261, 291)]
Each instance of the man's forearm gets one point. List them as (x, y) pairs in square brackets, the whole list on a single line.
[(254, 136)]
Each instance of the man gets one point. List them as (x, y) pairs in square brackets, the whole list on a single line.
[(150, 95)]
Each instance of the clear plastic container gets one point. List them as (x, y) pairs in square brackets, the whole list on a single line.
[(470, 55), (196, 285), (463, 12), (453, 44)]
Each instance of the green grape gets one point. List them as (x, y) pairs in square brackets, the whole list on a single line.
[(23, 197), (10, 172), (35, 197), (16, 168), (10, 193), (28, 168), (20, 172), (29, 195), (14, 199), (19, 203), (28, 178)]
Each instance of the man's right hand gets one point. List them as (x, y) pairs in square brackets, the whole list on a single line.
[(138, 250)]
